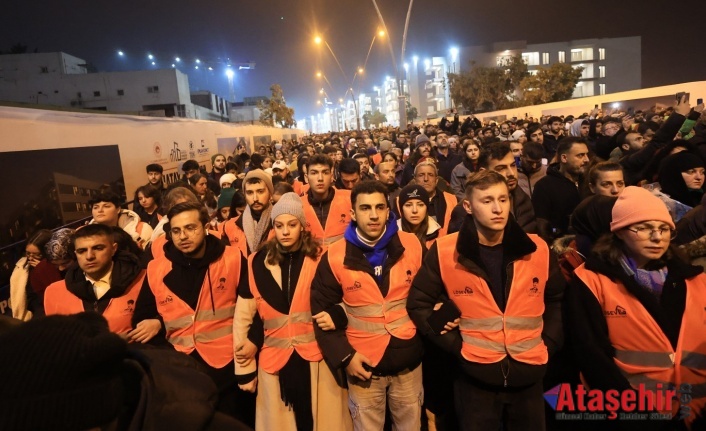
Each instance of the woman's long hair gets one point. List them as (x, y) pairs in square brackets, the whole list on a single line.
[(421, 232), (307, 244)]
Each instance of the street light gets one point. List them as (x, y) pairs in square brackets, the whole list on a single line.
[(120, 53), (454, 56), (230, 74)]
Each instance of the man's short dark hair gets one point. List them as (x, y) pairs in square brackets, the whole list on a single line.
[(190, 165), (533, 150), (368, 188), (554, 119), (188, 206), (329, 149), (565, 144), (495, 151), (320, 159), (643, 127), (360, 155), (155, 167), (94, 229), (349, 166), (106, 197)]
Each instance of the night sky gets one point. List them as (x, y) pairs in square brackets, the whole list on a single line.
[(278, 36)]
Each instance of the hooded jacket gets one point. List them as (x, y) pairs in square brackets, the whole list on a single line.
[(554, 199), (130, 222)]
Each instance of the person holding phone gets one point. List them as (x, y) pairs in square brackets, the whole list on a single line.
[(501, 291)]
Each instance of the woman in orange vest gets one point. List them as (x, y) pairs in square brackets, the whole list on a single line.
[(295, 388), (413, 202), (639, 311)]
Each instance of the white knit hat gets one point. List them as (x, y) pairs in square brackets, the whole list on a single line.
[(289, 203)]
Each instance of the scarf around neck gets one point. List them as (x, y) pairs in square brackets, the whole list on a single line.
[(650, 280), (254, 233)]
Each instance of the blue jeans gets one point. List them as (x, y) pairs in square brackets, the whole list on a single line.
[(367, 401)]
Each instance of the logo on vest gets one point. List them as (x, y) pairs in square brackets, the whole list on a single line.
[(534, 290), (167, 300), (618, 312), (130, 309), (467, 291), (408, 280), (221, 285), (356, 286), (343, 219)]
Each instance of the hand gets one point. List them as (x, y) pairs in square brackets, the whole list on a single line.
[(355, 367), (144, 331), (699, 108), (250, 386), (324, 321), (628, 121), (245, 352), (33, 261), (450, 326), (683, 106)]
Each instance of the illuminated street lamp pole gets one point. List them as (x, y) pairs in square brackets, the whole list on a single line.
[(318, 41)]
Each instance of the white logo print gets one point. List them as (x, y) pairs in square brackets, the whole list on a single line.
[(378, 271), (414, 194)]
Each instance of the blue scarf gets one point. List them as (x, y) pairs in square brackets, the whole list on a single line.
[(650, 280), (377, 254)]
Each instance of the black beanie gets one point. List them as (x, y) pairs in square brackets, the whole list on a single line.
[(413, 191), (61, 373)]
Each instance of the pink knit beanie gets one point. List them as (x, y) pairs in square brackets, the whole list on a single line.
[(635, 205)]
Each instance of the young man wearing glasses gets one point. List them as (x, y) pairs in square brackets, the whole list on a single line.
[(189, 297)]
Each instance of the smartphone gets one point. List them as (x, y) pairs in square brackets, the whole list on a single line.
[(595, 106), (631, 111), (699, 101), (680, 95)]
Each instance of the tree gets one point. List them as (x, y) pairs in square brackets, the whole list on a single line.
[(275, 110), (412, 112), (374, 119), (551, 84), (510, 84)]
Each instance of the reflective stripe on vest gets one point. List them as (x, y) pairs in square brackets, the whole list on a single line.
[(489, 334), (209, 328), (372, 319), (643, 352), (285, 333)]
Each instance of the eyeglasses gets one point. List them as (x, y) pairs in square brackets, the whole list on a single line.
[(188, 231), (30, 255), (645, 233)]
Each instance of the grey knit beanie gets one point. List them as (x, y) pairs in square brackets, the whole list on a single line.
[(289, 203)]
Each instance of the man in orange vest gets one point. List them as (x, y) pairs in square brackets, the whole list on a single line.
[(254, 226), (501, 315), (368, 274), (105, 280), (327, 209), (189, 296)]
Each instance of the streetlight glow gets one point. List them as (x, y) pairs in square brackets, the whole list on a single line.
[(454, 53), (153, 63), (173, 65), (177, 59), (381, 33), (150, 56), (318, 74), (317, 40), (427, 63), (120, 53), (198, 61), (230, 73), (415, 59)]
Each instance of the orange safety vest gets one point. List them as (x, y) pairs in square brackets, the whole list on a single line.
[(339, 217), (372, 319), (300, 188), (488, 334), (377, 158), (236, 236), (118, 313), (286, 333), (209, 328), (157, 246), (642, 351)]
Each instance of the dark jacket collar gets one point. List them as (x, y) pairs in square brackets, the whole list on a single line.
[(126, 267), (214, 250), (516, 244), (326, 200)]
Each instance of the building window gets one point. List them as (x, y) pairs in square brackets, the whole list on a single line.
[(531, 58), (562, 56), (96, 94), (601, 89), (43, 69), (601, 53), (121, 92), (181, 111), (601, 71), (545, 58), (576, 55), (78, 95), (153, 89)]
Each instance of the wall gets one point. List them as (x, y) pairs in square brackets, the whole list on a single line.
[(141, 140), (575, 107)]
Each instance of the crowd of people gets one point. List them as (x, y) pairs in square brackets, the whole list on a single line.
[(438, 277)]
